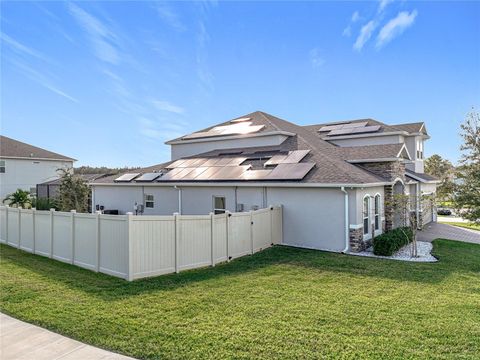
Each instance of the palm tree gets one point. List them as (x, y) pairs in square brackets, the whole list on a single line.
[(19, 198)]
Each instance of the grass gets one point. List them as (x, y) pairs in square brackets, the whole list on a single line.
[(280, 303), (466, 225)]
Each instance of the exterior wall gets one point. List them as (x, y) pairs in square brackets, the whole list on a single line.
[(199, 200), (121, 198), (370, 140), (188, 149), (252, 197), (312, 217), (27, 173)]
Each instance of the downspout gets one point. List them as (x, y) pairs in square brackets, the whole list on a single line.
[(179, 199), (347, 227)]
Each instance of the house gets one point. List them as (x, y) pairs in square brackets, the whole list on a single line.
[(334, 180), (49, 189), (23, 166)]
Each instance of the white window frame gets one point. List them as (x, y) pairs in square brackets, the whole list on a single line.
[(377, 211), (420, 149), (366, 230), (219, 210), (2, 166), (149, 201)]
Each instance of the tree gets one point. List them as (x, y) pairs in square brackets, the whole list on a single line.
[(73, 193), (20, 198), (442, 169), (467, 190)]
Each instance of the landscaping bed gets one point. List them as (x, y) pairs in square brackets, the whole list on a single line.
[(281, 303)]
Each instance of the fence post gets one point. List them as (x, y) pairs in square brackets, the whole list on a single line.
[(34, 211), (72, 227), (52, 211), (212, 240), (271, 224), (97, 240), (6, 222), (251, 230), (227, 226), (177, 234), (130, 245), (19, 226)]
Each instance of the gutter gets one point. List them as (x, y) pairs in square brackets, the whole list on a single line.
[(347, 226), (248, 184)]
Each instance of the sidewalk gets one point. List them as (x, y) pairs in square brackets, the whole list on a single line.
[(22, 341)]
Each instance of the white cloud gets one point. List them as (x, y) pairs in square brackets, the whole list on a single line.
[(316, 59), (21, 48), (365, 34), (395, 27), (167, 106), (355, 16), (41, 79), (158, 131), (383, 4), (102, 38), (347, 31), (167, 14)]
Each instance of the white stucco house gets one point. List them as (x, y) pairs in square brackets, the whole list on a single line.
[(23, 166), (332, 179)]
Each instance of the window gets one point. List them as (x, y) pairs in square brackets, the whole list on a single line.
[(377, 212), (420, 149), (2, 166), (366, 214), (219, 205), (149, 201)]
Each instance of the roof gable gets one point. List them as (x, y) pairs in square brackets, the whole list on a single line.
[(11, 148)]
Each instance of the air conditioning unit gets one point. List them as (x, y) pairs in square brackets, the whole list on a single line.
[(255, 207)]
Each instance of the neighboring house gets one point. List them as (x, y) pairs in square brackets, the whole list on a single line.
[(333, 179), (23, 166), (49, 189)]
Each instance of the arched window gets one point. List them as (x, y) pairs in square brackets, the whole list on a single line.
[(377, 211), (366, 214)]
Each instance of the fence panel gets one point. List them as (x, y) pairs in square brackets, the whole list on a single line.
[(43, 233), (153, 247), (277, 225), (239, 235), (13, 222), (85, 246), (220, 237), (262, 229), (114, 245), (62, 236), (3, 224), (194, 241), (26, 234)]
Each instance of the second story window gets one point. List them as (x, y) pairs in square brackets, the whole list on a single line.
[(149, 203), (2, 166), (420, 149)]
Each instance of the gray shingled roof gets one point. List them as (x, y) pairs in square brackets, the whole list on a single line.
[(331, 166), (423, 177), (14, 148), (372, 152)]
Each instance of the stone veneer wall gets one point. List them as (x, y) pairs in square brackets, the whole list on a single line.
[(356, 240)]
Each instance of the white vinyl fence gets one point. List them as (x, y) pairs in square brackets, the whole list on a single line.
[(134, 247)]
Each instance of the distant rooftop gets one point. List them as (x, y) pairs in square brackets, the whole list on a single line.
[(11, 148)]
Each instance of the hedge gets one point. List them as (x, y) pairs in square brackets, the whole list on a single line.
[(391, 241)]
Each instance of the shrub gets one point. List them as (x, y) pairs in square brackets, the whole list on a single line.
[(390, 242), (44, 204)]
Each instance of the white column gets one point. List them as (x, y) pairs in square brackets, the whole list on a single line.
[(251, 231), (34, 212), (227, 226)]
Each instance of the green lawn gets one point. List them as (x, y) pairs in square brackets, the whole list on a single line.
[(280, 303)]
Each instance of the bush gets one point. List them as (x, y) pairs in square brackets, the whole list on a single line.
[(44, 204), (390, 242)]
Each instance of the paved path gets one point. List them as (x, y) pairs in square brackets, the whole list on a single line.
[(23, 341), (443, 231)]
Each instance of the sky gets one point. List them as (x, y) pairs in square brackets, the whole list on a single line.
[(109, 82)]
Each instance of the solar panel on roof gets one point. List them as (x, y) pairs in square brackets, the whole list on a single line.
[(241, 120), (276, 159), (127, 177), (241, 128), (211, 162), (147, 177), (209, 172), (355, 125), (236, 161), (197, 162), (229, 173), (176, 164), (343, 126), (349, 131), (172, 174), (290, 171), (191, 175), (295, 156), (255, 174)]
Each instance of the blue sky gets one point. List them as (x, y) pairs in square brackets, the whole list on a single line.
[(109, 82)]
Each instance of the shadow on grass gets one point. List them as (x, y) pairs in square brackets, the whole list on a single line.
[(454, 257)]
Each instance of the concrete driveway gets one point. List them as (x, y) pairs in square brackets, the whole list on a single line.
[(443, 231)]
